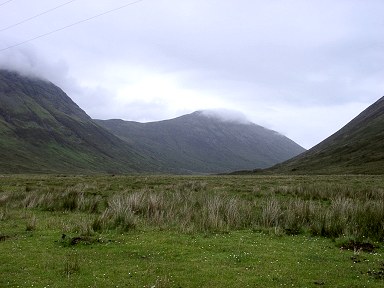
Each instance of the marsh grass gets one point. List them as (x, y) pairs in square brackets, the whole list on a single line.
[(162, 282), (177, 231), (185, 211), (31, 223), (71, 199), (4, 198), (326, 208), (84, 226), (119, 214), (271, 213), (298, 214), (201, 210), (4, 213)]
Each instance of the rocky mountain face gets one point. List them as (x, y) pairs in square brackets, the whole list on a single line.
[(357, 148)]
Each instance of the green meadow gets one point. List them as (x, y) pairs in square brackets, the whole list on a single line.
[(191, 231)]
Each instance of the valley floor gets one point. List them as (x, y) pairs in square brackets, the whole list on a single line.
[(191, 231)]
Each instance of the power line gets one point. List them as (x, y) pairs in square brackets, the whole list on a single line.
[(70, 25), (35, 16), (1, 4)]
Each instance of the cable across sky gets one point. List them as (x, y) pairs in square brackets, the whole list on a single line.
[(1, 4), (70, 25), (35, 16)]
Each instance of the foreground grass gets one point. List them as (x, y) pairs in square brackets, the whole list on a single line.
[(77, 231), (167, 259)]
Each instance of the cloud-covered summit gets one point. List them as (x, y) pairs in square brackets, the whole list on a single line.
[(226, 115)]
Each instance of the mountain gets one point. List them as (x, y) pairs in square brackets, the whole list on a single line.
[(43, 131), (357, 148), (205, 142)]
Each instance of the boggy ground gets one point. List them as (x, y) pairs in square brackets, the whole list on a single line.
[(195, 231)]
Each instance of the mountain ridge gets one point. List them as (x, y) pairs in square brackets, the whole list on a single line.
[(209, 143), (356, 148)]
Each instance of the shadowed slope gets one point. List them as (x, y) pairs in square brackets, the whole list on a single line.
[(356, 148), (203, 142), (43, 130)]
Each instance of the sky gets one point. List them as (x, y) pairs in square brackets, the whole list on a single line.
[(301, 67)]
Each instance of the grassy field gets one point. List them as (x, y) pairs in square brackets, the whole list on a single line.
[(191, 231)]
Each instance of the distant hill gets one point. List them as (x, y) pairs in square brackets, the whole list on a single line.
[(206, 142), (43, 131), (357, 148)]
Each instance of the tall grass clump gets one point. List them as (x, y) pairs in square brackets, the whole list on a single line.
[(191, 186), (156, 208), (211, 212), (4, 211), (368, 220), (338, 217), (184, 209), (349, 218), (271, 213), (75, 199), (31, 223), (4, 214), (298, 215), (118, 215), (71, 199), (71, 264), (326, 209), (4, 198)]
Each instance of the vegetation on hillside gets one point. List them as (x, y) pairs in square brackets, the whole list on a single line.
[(43, 131), (206, 143), (357, 148)]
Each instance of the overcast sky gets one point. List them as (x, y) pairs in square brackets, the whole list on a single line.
[(301, 67)]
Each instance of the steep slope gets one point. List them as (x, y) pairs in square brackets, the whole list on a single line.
[(356, 148), (199, 142), (43, 130)]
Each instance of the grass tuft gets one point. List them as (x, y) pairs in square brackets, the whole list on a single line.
[(71, 264), (31, 223)]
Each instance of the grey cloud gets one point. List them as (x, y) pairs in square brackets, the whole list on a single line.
[(28, 61), (140, 111), (227, 115)]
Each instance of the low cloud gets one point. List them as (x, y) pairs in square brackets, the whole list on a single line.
[(27, 61), (227, 115)]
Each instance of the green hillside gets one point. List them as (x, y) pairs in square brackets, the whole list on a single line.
[(357, 148), (43, 130)]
